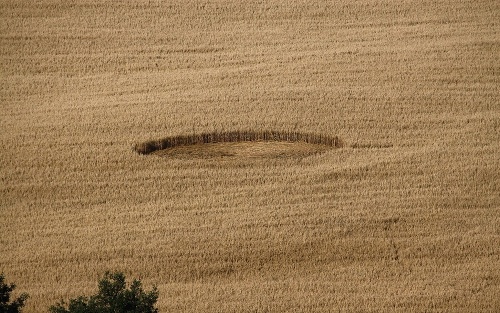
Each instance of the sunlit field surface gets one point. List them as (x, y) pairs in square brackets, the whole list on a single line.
[(403, 217)]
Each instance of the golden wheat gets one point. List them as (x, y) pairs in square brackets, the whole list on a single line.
[(403, 218)]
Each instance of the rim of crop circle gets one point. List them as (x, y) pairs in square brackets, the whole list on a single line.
[(151, 146)]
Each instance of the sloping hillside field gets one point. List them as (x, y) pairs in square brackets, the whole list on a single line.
[(395, 209)]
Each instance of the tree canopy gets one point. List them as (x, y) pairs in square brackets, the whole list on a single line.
[(113, 297), (6, 305)]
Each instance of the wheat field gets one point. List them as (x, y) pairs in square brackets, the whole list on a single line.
[(404, 217)]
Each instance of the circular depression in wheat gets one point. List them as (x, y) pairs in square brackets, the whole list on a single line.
[(240, 144)]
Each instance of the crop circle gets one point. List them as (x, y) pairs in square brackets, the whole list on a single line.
[(256, 144)]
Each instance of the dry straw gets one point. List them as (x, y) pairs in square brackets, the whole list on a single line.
[(237, 136)]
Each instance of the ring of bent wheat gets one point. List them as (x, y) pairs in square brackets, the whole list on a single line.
[(240, 144)]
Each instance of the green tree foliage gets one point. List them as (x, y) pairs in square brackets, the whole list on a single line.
[(112, 297), (17, 304)]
